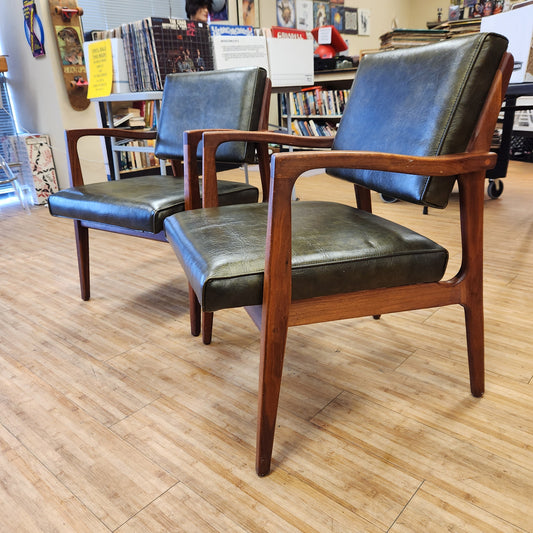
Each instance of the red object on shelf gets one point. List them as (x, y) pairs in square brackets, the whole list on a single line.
[(330, 41)]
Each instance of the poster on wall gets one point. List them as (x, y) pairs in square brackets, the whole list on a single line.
[(286, 13), (247, 16), (351, 20), (364, 21), (304, 15), (220, 10), (337, 16), (320, 14)]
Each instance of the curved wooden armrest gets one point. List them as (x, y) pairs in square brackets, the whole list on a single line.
[(291, 165), (213, 138), (120, 133), (73, 136)]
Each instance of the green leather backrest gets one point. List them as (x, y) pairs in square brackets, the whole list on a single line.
[(419, 101), (223, 99)]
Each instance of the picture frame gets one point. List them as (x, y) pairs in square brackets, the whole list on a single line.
[(286, 13), (248, 13), (363, 21), (351, 20), (222, 13)]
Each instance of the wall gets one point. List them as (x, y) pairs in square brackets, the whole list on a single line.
[(382, 15)]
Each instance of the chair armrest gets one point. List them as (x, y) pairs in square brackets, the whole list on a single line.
[(212, 139), (287, 167), (291, 165), (73, 136)]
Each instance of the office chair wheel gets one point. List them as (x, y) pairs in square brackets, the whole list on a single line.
[(495, 188)]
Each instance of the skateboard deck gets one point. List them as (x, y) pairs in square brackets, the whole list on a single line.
[(65, 16)]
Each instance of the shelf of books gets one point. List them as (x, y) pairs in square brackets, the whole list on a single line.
[(314, 110), (137, 110)]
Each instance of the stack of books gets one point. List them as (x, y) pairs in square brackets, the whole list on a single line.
[(128, 116), (458, 28), (401, 38)]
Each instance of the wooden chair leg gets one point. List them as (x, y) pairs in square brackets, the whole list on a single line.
[(194, 313), (271, 369), (82, 247), (264, 168), (476, 348), (207, 327)]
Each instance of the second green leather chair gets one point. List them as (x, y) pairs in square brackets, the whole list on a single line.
[(224, 99)]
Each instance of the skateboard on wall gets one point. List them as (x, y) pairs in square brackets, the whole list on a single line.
[(65, 15)]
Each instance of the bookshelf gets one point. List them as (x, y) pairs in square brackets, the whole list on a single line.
[(118, 148), (317, 110)]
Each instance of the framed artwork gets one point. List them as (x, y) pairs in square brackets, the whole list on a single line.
[(286, 13), (320, 13), (220, 8), (337, 16), (364, 21), (247, 17), (351, 21), (304, 15)]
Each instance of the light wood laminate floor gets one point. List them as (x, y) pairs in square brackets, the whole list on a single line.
[(113, 418)]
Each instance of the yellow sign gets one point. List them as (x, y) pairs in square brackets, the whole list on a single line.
[(100, 68)]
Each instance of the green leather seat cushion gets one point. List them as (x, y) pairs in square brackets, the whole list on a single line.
[(335, 249), (140, 203)]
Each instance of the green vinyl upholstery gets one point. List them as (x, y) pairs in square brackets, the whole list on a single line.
[(425, 110), (420, 101), (227, 99), (336, 248)]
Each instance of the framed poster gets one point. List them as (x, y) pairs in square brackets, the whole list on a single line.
[(320, 13), (351, 21), (247, 16), (337, 16), (364, 21), (220, 10), (286, 13), (304, 15)]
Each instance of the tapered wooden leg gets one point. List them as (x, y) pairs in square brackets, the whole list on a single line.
[(270, 372), (194, 313), (264, 168), (472, 192), (476, 348), (82, 247), (207, 327)]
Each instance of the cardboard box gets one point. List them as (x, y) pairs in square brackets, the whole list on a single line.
[(291, 61), (517, 26)]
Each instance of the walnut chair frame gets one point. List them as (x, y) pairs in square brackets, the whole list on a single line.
[(280, 309)]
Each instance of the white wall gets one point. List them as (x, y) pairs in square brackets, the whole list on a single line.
[(38, 91)]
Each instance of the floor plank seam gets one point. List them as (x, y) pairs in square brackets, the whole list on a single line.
[(407, 504)]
